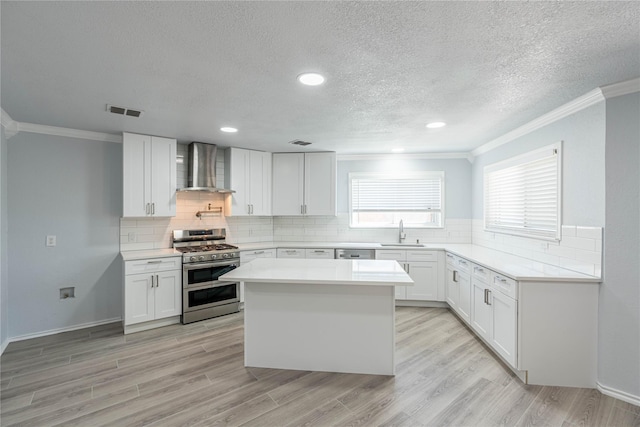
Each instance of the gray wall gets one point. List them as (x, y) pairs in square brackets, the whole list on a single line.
[(457, 174), (4, 264), (583, 167), (70, 188), (619, 306)]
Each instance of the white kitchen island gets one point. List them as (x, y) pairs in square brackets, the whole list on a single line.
[(320, 314)]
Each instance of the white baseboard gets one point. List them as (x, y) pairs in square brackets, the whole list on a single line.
[(618, 394), (65, 329)]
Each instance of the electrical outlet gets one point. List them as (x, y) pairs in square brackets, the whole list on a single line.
[(69, 292), (51, 241)]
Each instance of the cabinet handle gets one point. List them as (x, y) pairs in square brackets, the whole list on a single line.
[(479, 269), (485, 296), (154, 262), (251, 209), (153, 208), (455, 276), (407, 268), (147, 209), (462, 262), (302, 209), (319, 252), (152, 280), (488, 296), (449, 256), (500, 279), (305, 209), (258, 252), (157, 281)]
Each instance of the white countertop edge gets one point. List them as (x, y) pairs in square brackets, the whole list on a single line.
[(149, 253), (324, 282)]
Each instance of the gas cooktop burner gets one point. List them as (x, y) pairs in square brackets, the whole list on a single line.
[(208, 244), (206, 248)]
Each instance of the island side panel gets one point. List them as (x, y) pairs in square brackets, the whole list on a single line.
[(333, 328)]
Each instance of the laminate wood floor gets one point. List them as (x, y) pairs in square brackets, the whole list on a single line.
[(194, 375)]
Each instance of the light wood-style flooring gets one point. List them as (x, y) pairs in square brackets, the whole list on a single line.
[(194, 375)]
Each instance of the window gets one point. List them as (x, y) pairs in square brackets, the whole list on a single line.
[(522, 195), (383, 199)]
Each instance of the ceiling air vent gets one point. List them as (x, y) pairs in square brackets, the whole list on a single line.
[(124, 111), (298, 142)]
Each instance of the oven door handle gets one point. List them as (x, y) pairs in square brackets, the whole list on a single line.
[(198, 266)]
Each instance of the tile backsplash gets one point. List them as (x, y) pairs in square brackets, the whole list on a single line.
[(336, 229), (580, 248)]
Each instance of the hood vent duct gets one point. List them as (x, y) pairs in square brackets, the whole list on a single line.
[(201, 169)]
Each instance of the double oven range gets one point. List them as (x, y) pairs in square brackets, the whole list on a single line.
[(205, 257)]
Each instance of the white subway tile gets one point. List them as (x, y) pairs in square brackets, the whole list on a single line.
[(589, 232), (579, 243)]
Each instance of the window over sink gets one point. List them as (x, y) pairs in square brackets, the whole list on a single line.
[(381, 200)]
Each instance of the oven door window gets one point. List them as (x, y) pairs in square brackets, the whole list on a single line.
[(208, 274), (212, 295)]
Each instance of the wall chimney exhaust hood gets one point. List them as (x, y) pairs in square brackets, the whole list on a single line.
[(201, 169)]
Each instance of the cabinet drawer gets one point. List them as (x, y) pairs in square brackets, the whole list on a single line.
[(463, 265), (319, 253), (291, 253), (392, 255), (152, 265), (451, 259), (422, 256), (504, 284), (481, 273), (247, 256)]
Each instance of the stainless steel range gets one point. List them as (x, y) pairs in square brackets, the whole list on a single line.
[(205, 258)]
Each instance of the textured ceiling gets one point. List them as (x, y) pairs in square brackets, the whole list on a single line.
[(483, 67)]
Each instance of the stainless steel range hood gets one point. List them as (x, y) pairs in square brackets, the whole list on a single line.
[(201, 169)]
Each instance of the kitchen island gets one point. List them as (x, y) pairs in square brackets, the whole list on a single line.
[(320, 314)]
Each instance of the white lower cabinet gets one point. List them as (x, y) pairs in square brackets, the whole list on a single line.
[(423, 268), (494, 315), (246, 256), (153, 297), (291, 253), (319, 253), (458, 287)]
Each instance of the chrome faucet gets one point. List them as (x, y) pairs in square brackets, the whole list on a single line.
[(401, 234)]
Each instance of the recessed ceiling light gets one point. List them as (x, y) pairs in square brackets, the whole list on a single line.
[(435, 125), (311, 79), (229, 129), (397, 150)]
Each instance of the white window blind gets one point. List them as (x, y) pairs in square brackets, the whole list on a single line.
[(382, 200), (522, 195)]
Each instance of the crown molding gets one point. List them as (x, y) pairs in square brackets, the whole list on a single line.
[(69, 133), (10, 126), (409, 156), (622, 88), (587, 100)]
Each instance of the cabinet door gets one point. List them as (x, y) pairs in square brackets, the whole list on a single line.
[(136, 179), (163, 176), (481, 311), (464, 297), (425, 277), (452, 287), (168, 294), (138, 299), (505, 311), (288, 183), (320, 183), (260, 183), (236, 177)]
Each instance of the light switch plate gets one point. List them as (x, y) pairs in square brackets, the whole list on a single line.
[(51, 241)]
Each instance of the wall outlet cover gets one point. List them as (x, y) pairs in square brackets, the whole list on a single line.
[(51, 241)]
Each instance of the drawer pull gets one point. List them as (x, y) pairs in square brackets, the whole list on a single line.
[(154, 262), (319, 252), (455, 276), (500, 279), (481, 270), (258, 252)]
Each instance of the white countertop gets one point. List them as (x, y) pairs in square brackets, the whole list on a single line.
[(321, 271), (149, 253), (513, 266)]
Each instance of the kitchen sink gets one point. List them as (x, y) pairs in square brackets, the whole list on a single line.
[(404, 245)]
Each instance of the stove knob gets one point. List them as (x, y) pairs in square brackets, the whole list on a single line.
[(192, 258), (201, 258), (214, 256), (225, 255)]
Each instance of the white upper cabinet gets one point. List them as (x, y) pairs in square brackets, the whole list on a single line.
[(149, 175), (248, 173), (304, 184)]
